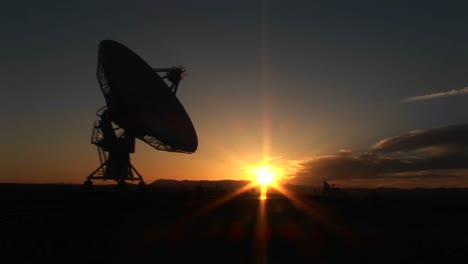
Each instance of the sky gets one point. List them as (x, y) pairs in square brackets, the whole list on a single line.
[(360, 93)]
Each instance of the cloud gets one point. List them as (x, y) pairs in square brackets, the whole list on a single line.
[(443, 139), (435, 95), (414, 154), (332, 167), (421, 175)]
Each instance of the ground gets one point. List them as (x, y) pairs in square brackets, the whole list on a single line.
[(67, 224)]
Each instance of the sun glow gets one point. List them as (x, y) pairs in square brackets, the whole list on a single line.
[(265, 175)]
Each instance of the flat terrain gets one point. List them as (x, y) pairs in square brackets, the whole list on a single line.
[(66, 224)]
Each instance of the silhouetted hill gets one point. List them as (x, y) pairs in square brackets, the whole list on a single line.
[(189, 184)]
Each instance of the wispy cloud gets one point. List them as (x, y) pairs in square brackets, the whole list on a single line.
[(435, 95)]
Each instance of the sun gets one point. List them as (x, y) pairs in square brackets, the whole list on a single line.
[(265, 175)]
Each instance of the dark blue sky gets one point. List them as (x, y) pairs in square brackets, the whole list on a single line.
[(307, 78)]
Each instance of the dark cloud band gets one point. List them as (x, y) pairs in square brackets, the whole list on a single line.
[(443, 148)]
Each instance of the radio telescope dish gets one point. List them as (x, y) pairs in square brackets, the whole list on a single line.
[(139, 104)]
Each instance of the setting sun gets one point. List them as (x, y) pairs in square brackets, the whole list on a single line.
[(265, 175)]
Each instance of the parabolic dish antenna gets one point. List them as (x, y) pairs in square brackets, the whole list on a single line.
[(139, 104)]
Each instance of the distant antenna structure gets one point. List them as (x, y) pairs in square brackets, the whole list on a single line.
[(141, 103)]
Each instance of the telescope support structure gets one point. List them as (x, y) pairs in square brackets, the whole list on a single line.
[(114, 147)]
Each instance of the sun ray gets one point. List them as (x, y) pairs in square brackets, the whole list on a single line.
[(317, 212), (266, 115), (263, 192), (261, 233), (221, 201)]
